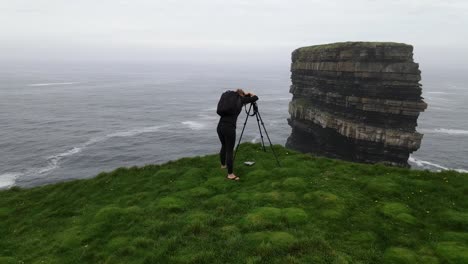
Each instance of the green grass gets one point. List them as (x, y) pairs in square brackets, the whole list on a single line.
[(311, 210)]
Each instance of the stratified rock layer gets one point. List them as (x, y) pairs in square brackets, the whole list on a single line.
[(358, 101)]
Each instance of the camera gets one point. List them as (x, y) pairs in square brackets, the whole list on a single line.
[(255, 107)]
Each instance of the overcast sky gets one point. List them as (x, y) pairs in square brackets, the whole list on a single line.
[(268, 28)]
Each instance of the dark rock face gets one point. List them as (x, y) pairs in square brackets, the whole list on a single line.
[(357, 101)]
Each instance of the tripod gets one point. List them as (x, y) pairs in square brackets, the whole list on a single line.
[(256, 113)]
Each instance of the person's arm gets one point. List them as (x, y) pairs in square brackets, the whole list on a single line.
[(249, 99)]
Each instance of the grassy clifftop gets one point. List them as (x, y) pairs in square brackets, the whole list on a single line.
[(312, 210), (351, 44)]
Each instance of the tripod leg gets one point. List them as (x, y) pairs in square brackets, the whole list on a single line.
[(242, 133), (271, 145), (261, 134)]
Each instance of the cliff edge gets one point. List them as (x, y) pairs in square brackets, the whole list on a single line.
[(311, 210), (357, 101)]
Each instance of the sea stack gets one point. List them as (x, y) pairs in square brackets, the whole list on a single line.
[(356, 101)]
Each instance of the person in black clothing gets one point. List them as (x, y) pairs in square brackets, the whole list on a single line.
[(227, 130)]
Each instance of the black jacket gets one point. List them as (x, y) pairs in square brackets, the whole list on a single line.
[(232, 119)]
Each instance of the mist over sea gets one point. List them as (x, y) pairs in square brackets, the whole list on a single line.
[(72, 121)]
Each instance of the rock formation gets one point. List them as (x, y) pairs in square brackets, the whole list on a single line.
[(357, 101)]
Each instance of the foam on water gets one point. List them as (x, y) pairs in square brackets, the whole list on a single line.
[(8, 179), (447, 131), (134, 132), (430, 165), (275, 99), (441, 109), (452, 131), (254, 140), (208, 117), (50, 84), (194, 125), (213, 109), (437, 93)]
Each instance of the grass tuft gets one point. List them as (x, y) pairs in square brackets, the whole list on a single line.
[(382, 185), (268, 242), (397, 255), (294, 216), (294, 183), (171, 204), (453, 252), (399, 212), (263, 217)]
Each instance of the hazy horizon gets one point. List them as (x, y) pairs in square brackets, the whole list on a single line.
[(220, 32)]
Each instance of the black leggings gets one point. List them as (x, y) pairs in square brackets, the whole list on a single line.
[(227, 136)]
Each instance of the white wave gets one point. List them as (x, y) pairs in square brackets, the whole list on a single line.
[(446, 131), (134, 132), (438, 93), (438, 100), (210, 109), (430, 165), (8, 179), (275, 99), (208, 117), (50, 84), (194, 125), (127, 133), (423, 163), (441, 108), (254, 140), (53, 162), (452, 131)]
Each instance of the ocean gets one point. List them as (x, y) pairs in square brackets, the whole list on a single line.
[(72, 121)]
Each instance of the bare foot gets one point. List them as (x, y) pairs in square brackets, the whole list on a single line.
[(233, 177)]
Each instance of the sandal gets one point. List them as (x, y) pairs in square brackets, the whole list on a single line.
[(233, 179)]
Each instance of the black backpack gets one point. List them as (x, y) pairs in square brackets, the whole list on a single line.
[(229, 104)]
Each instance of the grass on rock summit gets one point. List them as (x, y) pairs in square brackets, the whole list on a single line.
[(311, 210), (350, 44)]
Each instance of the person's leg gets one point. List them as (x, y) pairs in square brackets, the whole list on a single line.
[(230, 138), (222, 152)]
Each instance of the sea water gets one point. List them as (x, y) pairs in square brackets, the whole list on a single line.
[(72, 121)]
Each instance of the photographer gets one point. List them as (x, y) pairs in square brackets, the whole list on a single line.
[(229, 107)]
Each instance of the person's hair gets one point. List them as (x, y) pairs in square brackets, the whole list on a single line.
[(240, 92)]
